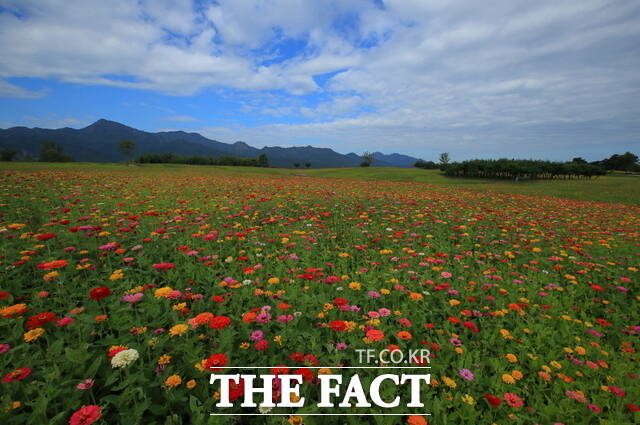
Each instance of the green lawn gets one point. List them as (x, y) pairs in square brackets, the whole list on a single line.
[(623, 189)]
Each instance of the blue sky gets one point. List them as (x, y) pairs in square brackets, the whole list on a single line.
[(515, 78)]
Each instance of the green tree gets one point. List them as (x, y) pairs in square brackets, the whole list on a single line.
[(126, 147), (8, 154), (367, 159), (263, 161), (444, 158), (296, 164), (307, 164), (53, 152)]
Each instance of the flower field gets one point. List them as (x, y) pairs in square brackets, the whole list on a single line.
[(120, 290)]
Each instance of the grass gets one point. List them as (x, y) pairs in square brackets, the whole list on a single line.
[(616, 188)]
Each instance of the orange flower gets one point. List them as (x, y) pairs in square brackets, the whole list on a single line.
[(375, 335), (51, 265), (101, 318), (404, 335), (417, 420)]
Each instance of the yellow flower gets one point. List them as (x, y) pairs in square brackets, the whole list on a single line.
[(179, 306), (581, 350), (556, 364), (517, 375), (118, 274), (245, 345), (33, 334), (273, 280), (356, 286), (50, 276), (162, 292), (324, 371), (508, 379), (449, 382), (164, 359), (173, 381), (468, 399), (191, 384), (178, 329), (512, 358)]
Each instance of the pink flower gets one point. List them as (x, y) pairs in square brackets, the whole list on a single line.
[(88, 383), (133, 298), (262, 345), (594, 408), (257, 335), (65, 321), (446, 275)]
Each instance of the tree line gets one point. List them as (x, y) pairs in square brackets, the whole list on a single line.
[(169, 158), (522, 169)]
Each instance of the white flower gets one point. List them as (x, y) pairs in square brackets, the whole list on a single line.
[(124, 358)]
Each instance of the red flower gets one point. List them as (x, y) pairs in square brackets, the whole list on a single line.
[(471, 326), (262, 345), (340, 301), (493, 400), (214, 362), (236, 390), (17, 375), (306, 373), (99, 293), (164, 266), (40, 319), (4, 294), (338, 325), (217, 299), (115, 351), (55, 264), (279, 370), (633, 407), (219, 322), (86, 415), (45, 236)]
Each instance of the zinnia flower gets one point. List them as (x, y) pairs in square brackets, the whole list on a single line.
[(99, 293), (124, 358), (86, 415), (17, 375)]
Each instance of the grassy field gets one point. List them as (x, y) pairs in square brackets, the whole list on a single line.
[(624, 189)]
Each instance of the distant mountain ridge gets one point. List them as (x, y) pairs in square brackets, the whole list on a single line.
[(98, 143)]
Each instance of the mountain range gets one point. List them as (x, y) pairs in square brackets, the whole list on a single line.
[(98, 143)]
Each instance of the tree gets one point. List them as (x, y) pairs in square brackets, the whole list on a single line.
[(126, 147), (296, 164), (8, 154), (263, 161), (579, 160), (307, 164), (444, 158), (367, 159), (52, 152), (624, 162)]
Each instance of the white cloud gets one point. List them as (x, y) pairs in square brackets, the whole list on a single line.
[(420, 70), (16, 92)]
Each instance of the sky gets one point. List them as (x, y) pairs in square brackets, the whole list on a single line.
[(520, 79)]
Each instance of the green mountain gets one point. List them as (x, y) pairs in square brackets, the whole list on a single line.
[(98, 143)]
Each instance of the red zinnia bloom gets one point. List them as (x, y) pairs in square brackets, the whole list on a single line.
[(45, 236), (17, 375), (633, 407), (99, 293), (340, 301), (471, 326), (493, 400), (279, 370), (338, 325), (219, 322), (214, 362), (236, 390), (163, 266), (55, 264), (307, 375), (40, 319), (86, 415)]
